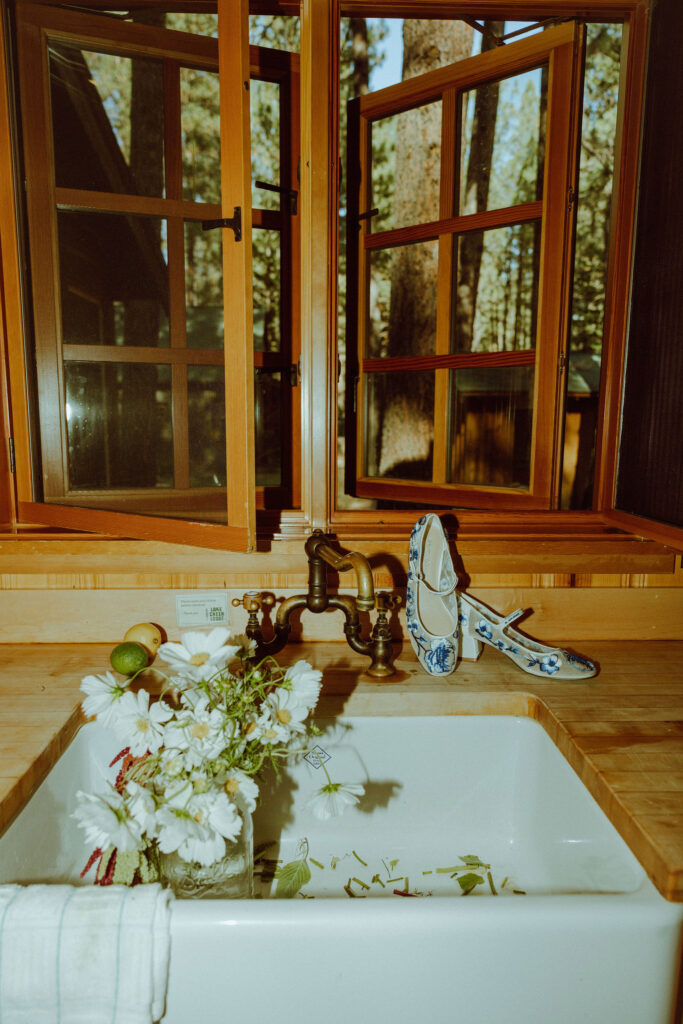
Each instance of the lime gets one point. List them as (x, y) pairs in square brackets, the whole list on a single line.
[(129, 658), (147, 634)]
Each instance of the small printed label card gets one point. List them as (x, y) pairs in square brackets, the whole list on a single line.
[(206, 609), (317, 757)]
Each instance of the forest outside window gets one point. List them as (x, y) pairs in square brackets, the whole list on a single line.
[(126, 176), (473, 324)]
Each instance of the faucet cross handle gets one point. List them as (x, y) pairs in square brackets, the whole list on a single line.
[(253, 601), (388, 602)]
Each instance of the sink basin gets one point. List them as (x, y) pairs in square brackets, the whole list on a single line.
[(576, 931)]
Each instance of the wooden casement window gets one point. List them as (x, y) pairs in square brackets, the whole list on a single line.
[(489, 388), (148, 402)]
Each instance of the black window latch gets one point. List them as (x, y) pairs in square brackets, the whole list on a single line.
[(289, 193), (234, 222)]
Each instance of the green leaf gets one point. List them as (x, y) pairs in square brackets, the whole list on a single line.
[(468, 882), (291, 878)]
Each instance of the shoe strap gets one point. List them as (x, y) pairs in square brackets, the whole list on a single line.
[(512, 617), (439, 593)]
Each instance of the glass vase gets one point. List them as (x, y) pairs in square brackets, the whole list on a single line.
[(231, 878)]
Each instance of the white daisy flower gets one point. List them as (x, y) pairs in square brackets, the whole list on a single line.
[(199, 655), (103, 692), (333, 799), (240, 783), (287, 710), (139, 724), (106, 822), (306, 682)]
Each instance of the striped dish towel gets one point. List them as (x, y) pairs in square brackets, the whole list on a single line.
[(83, 955)]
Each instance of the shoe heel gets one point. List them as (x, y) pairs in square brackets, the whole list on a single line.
[(470, 646)]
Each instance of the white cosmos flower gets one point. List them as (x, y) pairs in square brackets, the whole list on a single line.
[(199, 655), (267, 729), (333, 799), (141, 726), (103, 693), (141, 806), (198, 733), (240, 783), (287, 710), (306, 682), (106, 822), (197, 824)]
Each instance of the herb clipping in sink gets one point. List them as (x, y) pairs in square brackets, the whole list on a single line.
[(469, 874), (292, 877)]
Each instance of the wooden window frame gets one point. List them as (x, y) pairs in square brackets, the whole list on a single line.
[(561, 50), (602, 521), (37, 25)]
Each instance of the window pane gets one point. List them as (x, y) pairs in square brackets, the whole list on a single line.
[(269, 437), (200, 131), (409, 139), (108, 121), (402, 300), (114, 279), (206, 431), (502, 149), (496, 289), (267, 290), (399, 410), (491, 418), (277, 31), (203, 286), (265, 143), (110, 409)]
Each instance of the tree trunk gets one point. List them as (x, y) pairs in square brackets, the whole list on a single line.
[(358, 28), (475, 199)]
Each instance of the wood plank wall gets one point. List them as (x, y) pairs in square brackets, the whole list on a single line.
[(60, 590)]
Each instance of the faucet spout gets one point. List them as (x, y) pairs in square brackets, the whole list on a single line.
[(320, 554), (317, 548)]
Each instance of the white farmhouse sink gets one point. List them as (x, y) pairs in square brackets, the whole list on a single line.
[(585, 936)]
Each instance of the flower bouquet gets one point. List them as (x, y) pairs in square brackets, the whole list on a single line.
[(180, 807)]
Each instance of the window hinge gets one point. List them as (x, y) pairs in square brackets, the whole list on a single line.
[(571, 198), (234, 222), (563, 362), (294, 375), (12, 459)]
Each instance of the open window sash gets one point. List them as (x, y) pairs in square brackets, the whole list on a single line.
[(183, 513), (460, 373)]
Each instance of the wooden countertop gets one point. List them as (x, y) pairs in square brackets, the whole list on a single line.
[(622, 731)]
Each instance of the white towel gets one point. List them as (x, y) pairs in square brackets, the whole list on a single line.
[(83, 955)]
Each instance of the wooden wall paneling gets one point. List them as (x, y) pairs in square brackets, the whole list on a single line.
[(562, 615)]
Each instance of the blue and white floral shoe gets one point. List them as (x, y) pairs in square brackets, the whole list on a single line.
[(481, 625), (432, 601)]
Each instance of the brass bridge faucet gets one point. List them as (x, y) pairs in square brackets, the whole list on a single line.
[(319, 553)]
